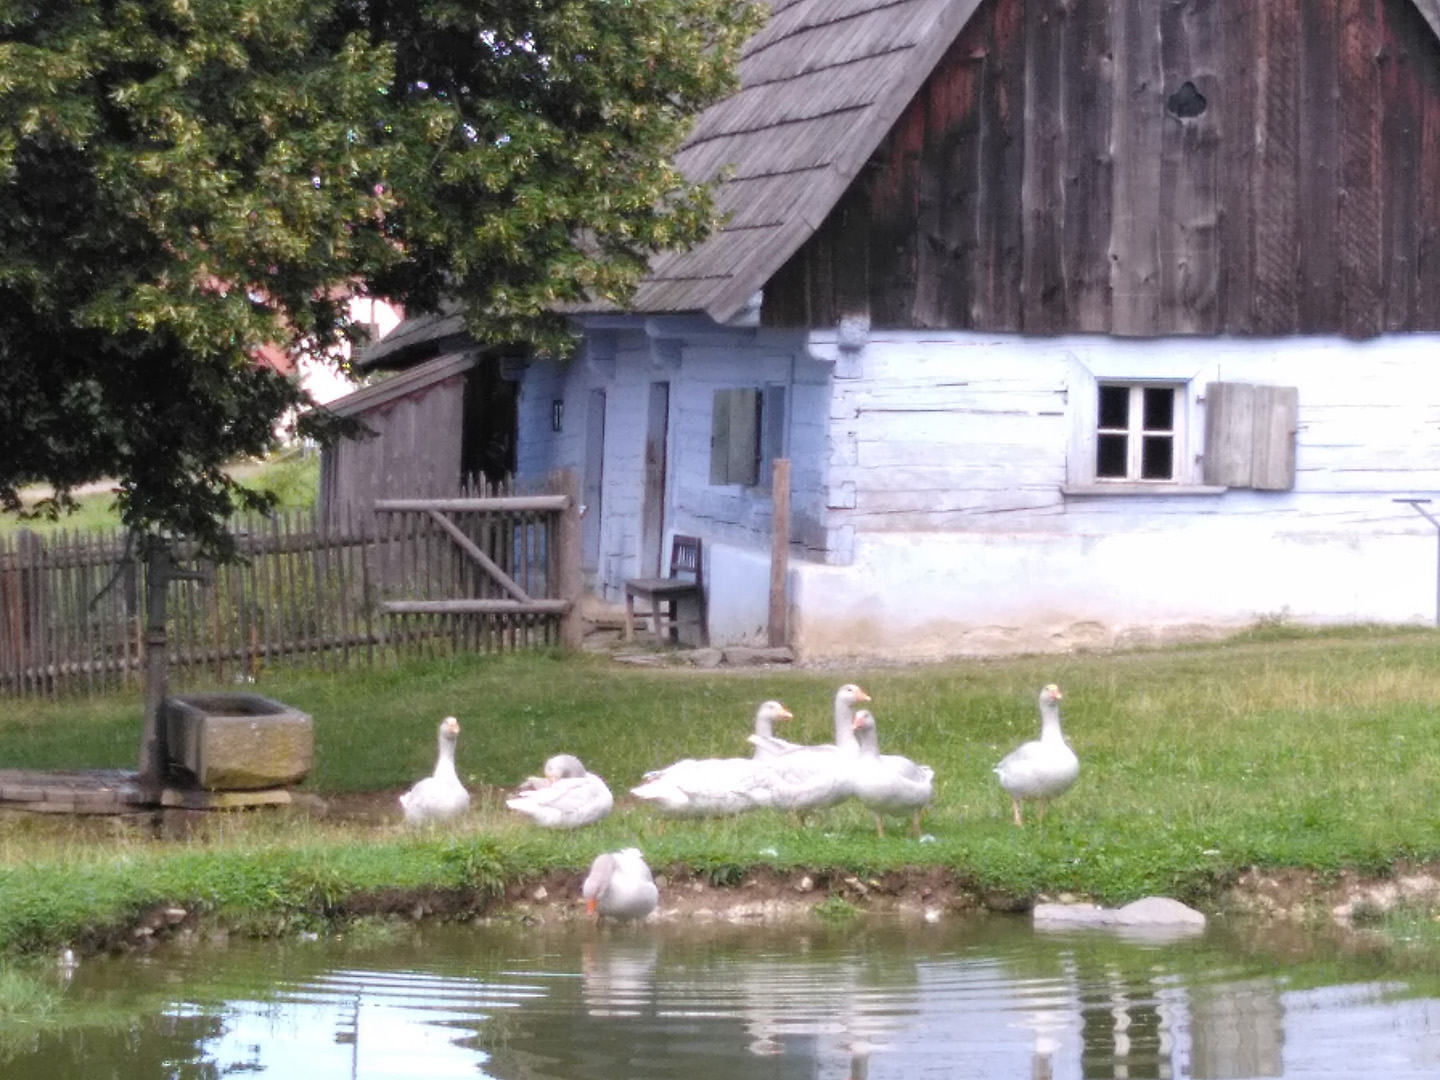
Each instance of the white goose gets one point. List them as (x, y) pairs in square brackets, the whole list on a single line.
[(707, 787), (620, 885), (440, 796), (847, 699), (568, 797), (764, 740), (1042, 768), (888, 783)]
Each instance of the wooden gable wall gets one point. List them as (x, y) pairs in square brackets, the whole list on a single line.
[(1140, 167)]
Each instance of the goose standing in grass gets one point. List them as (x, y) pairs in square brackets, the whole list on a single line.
[(888, 783), (847, 699), (567, 797), (1042, 768), (440, 796), (620, 886), (764, 740)]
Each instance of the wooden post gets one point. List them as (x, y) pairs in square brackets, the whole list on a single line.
[(572, 624), (779, 552), (157, 672), (160, 571)]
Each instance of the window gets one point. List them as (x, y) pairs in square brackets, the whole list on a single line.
[(1173, 428), (1137, 421), (747, 433), (1136, 432)]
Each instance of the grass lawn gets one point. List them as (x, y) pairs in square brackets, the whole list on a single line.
[(1278, 748)]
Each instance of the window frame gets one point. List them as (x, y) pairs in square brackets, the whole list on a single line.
[(1184, 377), (764, 425)]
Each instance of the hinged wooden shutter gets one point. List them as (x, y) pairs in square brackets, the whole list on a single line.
[(1250, 435), (733, 435)]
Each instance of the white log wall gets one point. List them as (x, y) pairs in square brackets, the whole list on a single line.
[(928, 516)]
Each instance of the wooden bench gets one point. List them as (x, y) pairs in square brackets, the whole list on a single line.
[(685, 585)]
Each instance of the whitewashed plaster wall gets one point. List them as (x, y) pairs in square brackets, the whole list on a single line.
[(963, 541)]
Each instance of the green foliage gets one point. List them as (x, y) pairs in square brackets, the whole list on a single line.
[(184, 184)]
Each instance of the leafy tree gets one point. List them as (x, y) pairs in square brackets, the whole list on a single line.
[(182, 181)]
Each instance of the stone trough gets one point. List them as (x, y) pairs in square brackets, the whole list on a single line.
[(234, 749)]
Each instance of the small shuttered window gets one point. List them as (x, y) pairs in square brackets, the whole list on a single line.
[(1250, 435)]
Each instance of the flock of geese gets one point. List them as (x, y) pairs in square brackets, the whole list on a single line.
[(778, 774)]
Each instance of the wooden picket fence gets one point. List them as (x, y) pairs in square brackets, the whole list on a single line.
[(493, 575)]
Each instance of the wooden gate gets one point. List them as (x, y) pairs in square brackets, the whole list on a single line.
[(505, 566)]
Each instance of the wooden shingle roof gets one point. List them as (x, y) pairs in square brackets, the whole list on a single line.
[(820, 86)]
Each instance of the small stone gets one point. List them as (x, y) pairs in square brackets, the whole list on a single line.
[(805, 884), (174, 915), (540, 894)]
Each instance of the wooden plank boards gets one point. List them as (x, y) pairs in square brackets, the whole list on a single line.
[(1190, 182), (1137, 168)]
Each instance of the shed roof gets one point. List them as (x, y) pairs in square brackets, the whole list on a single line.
[(410, 381)]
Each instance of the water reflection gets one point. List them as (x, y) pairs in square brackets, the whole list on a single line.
[(985, 999)]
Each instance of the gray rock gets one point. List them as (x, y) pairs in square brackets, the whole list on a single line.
[(747, 656), (1153, 913)]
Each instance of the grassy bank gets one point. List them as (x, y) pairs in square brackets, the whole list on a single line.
[(1274, 749)]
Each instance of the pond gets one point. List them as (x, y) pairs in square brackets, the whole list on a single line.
[(982, 997)]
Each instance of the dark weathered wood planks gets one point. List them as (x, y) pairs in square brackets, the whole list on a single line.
[(1141, 168)]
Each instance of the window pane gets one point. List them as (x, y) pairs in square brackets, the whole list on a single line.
[(1159, 409), (1114, 407), (1111, 452), (1158, 457)]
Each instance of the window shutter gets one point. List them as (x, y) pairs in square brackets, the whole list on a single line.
[(734, 434), (1250, 435), (720, 438)]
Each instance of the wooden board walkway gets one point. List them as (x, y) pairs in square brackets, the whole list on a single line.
[(115, 791), (87, 791)]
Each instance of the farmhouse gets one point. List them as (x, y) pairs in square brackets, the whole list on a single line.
[(1079, 322)]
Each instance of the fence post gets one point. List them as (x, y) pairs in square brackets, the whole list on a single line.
[(572, 623)]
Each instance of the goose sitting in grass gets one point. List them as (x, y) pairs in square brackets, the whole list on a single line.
[(440, 796), (888, 783), (707, 787), (620, 886), (567, 797), (1042, 768)]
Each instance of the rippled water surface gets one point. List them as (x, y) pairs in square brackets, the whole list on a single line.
[(984, 998)]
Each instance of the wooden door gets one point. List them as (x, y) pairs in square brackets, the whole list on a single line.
[(652, 504)]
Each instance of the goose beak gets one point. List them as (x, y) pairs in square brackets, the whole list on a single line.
[(590, 906), (862, 696), (785, 714)]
